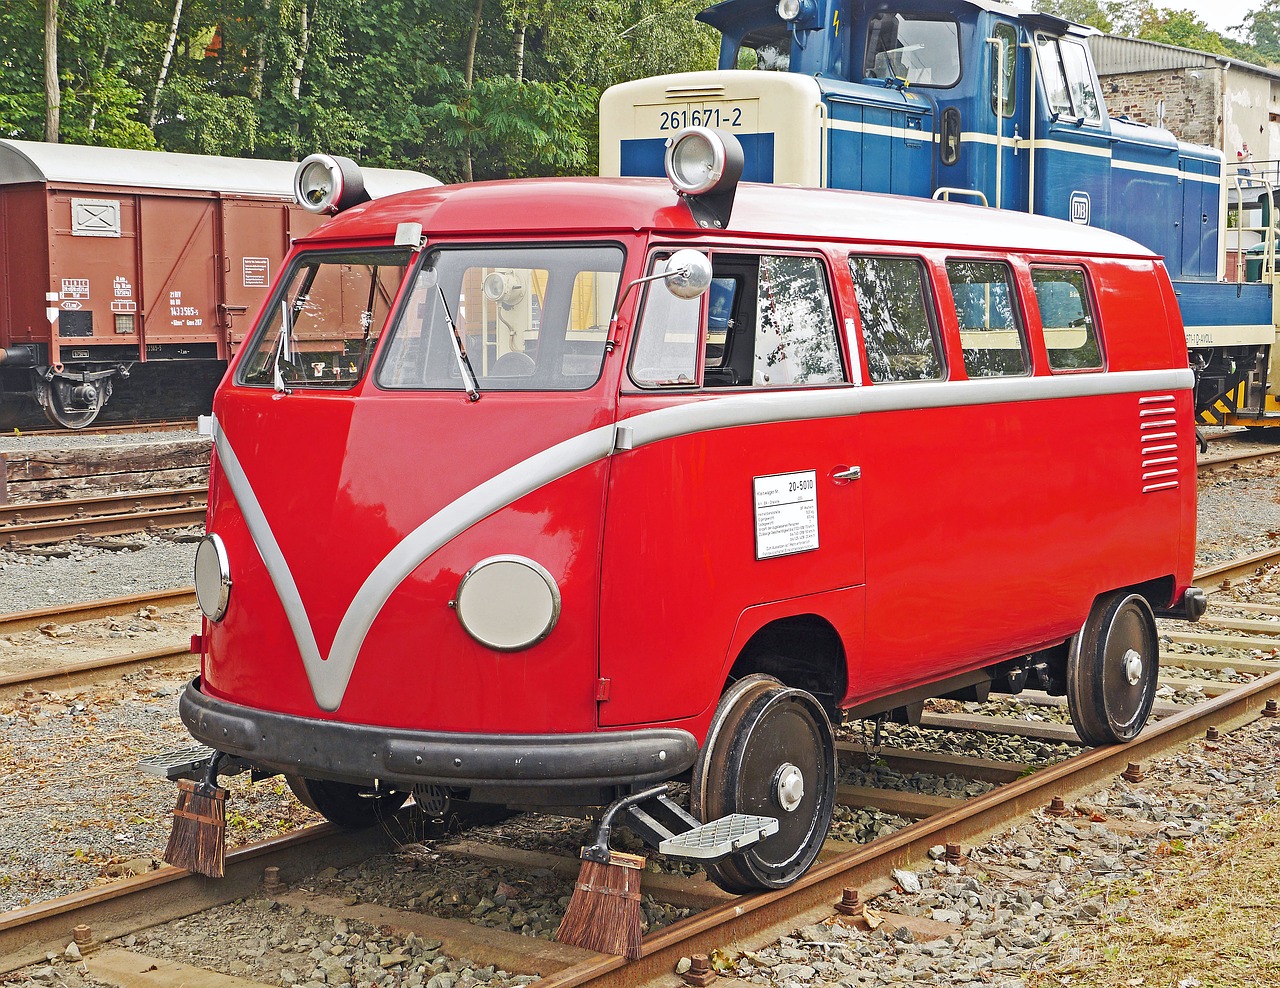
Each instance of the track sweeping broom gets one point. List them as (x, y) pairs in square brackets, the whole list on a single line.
[(199, 837), (604, 913)]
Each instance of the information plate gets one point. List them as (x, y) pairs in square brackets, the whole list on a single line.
[(786, 510)]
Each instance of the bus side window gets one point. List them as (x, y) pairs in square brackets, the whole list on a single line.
[(991, 335), (795, 326), (898, 326), (1070, 332)]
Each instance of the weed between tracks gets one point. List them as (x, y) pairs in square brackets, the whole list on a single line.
[(1210, 919)]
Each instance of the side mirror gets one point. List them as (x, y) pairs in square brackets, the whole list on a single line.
[(688, 273)]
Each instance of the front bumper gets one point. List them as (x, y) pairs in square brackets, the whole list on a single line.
[(360, 753)]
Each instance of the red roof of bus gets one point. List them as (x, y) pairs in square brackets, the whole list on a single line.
[(599, 206)]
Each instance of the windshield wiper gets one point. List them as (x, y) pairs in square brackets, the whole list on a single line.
[(284, 348), (459, 351)]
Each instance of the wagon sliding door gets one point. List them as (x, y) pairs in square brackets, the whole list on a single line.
[(255, 239), (178, 247)]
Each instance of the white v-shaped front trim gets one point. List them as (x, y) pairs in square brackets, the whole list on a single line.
[(330, 674)]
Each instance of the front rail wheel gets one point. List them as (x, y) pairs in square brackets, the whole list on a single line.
[(350, 807), (1112, 670), (770, 752)]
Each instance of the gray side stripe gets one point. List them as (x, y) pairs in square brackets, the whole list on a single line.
[(763, 407), (329, 676)]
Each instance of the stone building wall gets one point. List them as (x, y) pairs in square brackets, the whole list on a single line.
[(1192, 101)]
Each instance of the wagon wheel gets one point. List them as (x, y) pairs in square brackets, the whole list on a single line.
[(1112, 670), (769, 752), (350, 807), (53, 400)]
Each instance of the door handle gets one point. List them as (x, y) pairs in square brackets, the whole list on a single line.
[(848, 473)]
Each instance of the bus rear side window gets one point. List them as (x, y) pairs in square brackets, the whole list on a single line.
[(987, 311), (897, 319), (1070, 334)]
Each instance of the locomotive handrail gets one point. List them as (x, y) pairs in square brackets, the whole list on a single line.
[(945, 192), (1244, 180)]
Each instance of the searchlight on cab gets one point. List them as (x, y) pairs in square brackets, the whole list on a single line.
[(704, 165)]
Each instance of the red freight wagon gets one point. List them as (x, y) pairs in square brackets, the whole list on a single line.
[(542, 492), (112, 257)]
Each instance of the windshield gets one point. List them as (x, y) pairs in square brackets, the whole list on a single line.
[(517, 318), (919, 50), (325, 319), (767, 49)]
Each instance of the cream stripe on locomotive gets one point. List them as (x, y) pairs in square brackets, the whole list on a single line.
[(329, 676)]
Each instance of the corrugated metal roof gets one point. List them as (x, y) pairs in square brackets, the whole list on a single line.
[(1114, 55), (76, 164)]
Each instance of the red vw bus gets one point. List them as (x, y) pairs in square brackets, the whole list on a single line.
[(543, 492)]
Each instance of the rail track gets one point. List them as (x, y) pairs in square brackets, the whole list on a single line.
[(118, 428), (49, 522), (1221, 462), (28, 935)]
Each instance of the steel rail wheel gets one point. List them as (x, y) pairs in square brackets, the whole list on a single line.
[(350, 807), (770, 752), (1112, 670)]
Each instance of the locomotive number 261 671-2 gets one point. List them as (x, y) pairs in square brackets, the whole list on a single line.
[(707, 116)]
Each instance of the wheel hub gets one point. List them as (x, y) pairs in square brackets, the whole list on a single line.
[(1132, 666), (789, 787)]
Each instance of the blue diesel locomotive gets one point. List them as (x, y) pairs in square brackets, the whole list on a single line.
[(973, 100)]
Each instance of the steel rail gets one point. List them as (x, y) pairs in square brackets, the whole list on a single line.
[(1232, 569), (1217, 464), (112, 428), (94, 609), (90, 670), (29, 933), (99, 506), (67, 530), (769, 914)]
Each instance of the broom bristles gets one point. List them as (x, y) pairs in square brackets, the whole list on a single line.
[(604, 912), (198, 839)]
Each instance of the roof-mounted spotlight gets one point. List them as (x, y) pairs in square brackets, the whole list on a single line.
[(705, 165), (798, 13), (326, 183)]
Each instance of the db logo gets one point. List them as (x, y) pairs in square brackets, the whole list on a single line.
[(73, 305), (1080, 208)]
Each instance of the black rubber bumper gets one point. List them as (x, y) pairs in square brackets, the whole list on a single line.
[(361, 752)]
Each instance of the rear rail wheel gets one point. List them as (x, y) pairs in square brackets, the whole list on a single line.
[(1112, 670), (770, 752), (351, 807)]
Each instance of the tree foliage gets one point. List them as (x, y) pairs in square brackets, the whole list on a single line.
[(383, 81), (1173, 26)]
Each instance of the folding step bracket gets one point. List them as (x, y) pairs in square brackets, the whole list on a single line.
[(665, 825), (189, 763)]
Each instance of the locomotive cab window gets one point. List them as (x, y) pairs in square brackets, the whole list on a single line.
[(1070, 333), (1004, 69), (986, 305), (323, 325), (508, 318), (767, 49), (1068, 81), (919, 50), (898, 327)]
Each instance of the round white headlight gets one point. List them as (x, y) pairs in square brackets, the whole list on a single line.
[(508, 603), (788, 10), (213, 578)]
